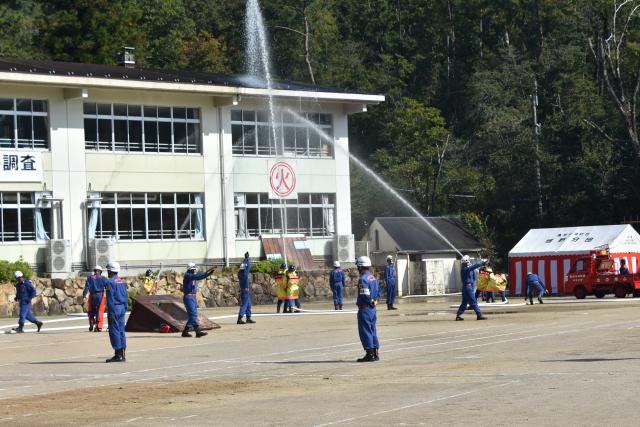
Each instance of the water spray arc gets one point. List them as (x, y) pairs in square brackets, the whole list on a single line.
[(258, 64), (375, 176)]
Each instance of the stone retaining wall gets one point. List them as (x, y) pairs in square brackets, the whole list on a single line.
[(58, 296)]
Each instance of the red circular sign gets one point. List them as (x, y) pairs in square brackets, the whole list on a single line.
[(282, 179)]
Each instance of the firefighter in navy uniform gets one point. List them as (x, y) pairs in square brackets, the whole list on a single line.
[(468, 276), (390, 281), (190, 287), (245, 291), (533, 281), (336, 281), (368, 297), (25, 292), (95, 305), (117, 299)]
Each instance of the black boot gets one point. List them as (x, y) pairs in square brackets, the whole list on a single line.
[(249, 320), (458, 317), (367, 357), (200, 333), (18, 330), (118, 357), (240, 321), (391, 307), (90, 326), (540, 300), (39, 325), (340, 306), (186, 333), (335, 306), (481, 317), (123, 354), (531, 301), (375, 355)]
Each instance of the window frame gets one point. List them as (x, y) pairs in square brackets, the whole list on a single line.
[(19, 206), (285, 124), (270, 208), (16, 143), (192, 118), (119, 203)]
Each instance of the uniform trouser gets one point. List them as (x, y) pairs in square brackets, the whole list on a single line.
[(25, 313), (337, 290), (96, 309), (469, 298), (280, 301), (116, 326), (191, 305), (533, 286), (391, 293), (503, 295), (367, 328), (490, 297), (245, 303)]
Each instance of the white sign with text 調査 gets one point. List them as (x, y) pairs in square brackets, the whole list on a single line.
[(21, 166)]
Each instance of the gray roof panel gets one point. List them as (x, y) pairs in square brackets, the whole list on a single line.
[(412, 234)]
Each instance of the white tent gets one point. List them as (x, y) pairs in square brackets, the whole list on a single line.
[(577, 240)]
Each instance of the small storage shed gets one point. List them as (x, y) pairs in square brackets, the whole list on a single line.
[(550, 252), (425, 263)]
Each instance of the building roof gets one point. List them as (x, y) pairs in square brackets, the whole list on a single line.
[(577, 240), (83, 75), (413, 234)]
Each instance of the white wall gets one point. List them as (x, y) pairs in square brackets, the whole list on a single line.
[(69, 171)]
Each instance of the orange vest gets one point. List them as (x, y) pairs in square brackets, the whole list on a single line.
[(293, 285)]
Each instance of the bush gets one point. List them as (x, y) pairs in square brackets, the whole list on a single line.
[(8, 268), (132, 294), (269, 266)]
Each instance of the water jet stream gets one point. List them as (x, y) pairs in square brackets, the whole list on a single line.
[(374, 175)]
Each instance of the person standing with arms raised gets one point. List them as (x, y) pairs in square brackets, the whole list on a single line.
[(468, 276), (190, 287)]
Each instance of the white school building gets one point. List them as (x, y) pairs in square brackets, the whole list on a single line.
[(157, 168)]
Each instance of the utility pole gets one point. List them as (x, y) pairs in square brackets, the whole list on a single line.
[(537, 127)]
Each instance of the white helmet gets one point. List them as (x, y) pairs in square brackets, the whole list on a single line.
[(18, 274), (466, 259), (113, 266), (363, 261), (389, 257), (191, 266), (97, 267), (336, 264)]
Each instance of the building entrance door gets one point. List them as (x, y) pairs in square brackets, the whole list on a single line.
[(435, 277)]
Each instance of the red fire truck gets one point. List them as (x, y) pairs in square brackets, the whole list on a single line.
[(596, 275)]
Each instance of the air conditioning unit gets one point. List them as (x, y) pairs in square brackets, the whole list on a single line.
[(362, 248), (101, 251), (344, 248), (58, 257)]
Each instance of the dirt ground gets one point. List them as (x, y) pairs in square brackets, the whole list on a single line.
[(558, 364)]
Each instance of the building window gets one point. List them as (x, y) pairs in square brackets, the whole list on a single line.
[(24, 123), (137, 128), (295, 138), (146, 216), (311, 214), (23, 217)]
